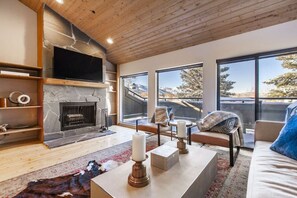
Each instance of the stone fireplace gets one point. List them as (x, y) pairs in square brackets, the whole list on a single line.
[(72, 111), (74, 115), (87, 107)]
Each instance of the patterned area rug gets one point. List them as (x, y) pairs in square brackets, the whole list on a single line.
[(229, 182)]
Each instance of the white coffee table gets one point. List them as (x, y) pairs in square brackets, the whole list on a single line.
[(190, 177)]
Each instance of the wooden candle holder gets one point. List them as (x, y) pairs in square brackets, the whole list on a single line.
[(182, 146), (138, 178)]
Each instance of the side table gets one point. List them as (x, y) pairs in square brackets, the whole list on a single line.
[(189, 125)]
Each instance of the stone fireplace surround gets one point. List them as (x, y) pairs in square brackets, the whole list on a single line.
[(54, 94)]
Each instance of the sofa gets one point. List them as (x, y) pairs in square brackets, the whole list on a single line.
[(271, 174)]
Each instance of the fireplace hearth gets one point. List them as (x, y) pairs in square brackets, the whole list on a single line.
[(75, 115)]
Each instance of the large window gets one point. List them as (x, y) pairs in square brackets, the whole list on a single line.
[(258, 86), (181, 89), (134, 92)]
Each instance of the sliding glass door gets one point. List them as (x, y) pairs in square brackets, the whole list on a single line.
[(277, 85), (237, 90), (134, 95), (259, 86)]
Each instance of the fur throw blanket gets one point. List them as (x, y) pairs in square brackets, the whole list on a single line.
[(69, 186), (222, 122)]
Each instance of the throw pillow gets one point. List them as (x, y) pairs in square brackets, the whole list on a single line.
[(161, 116), (286, 143), (169, 111), (225, 126)]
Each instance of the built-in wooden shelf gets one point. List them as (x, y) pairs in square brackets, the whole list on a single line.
[(112, 114), (54, 81), (111, 72), (20, 77), (2, 64), (20, 107), (111, 81), (12, 131)]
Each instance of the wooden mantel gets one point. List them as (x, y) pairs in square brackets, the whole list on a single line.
[(54, 81)]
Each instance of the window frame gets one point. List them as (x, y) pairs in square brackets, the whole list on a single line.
[(174, 69), (255, 57)]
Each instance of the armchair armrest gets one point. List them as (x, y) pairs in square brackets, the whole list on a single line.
[(234, 130), (137, 121), (267, 130)]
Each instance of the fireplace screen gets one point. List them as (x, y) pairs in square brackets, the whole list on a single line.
[(77, 115)]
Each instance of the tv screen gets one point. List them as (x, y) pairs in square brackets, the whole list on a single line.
[(76, 66)]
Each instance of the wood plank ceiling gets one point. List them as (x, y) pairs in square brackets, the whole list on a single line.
[(143, 28)]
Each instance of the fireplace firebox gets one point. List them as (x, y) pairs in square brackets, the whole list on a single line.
[(77, 115)]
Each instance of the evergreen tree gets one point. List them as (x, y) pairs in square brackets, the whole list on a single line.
[(191, 83), (192, 86), (225, 85), (286, 83)]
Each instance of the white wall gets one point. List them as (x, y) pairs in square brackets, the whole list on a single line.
[(18, 35), (267, 39)]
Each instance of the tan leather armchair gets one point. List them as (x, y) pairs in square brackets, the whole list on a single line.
[(156, 128), (219, 139)]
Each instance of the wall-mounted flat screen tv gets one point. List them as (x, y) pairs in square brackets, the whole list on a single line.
[(76, 66)]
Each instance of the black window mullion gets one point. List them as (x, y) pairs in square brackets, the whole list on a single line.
[(219, 86), (257, 104), (158, 89)]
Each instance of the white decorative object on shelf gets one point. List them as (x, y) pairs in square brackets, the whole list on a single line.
[(138, 146), (110, 88), (3, 127), (18, 97), (24, 99), (14, 73)]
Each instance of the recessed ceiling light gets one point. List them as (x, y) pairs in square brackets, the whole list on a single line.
[(109, 40), (60, 1)]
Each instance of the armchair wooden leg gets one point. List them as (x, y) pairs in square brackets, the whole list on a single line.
[(159, 136), (231, 150), (231, 146), (136, 125)]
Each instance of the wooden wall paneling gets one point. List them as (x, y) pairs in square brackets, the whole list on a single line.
[(19, 116), (118, 95), (40, 26), (111, 96), (150, 27), (19, 138), (216, 20), (40, 110), (218, 32), (191, 23), (180, 21), (39, 37), (28, 87), (126, 21)]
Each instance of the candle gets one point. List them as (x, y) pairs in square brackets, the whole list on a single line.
[(138, 146), (181, 129)]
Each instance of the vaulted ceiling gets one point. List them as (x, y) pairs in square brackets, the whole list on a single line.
[(143, 28)]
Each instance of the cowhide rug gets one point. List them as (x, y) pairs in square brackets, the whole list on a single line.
[(74, 185)]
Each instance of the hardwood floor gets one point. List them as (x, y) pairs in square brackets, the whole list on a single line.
[(25, 158)]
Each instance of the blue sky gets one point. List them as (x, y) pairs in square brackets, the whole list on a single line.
[(242, 73)]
